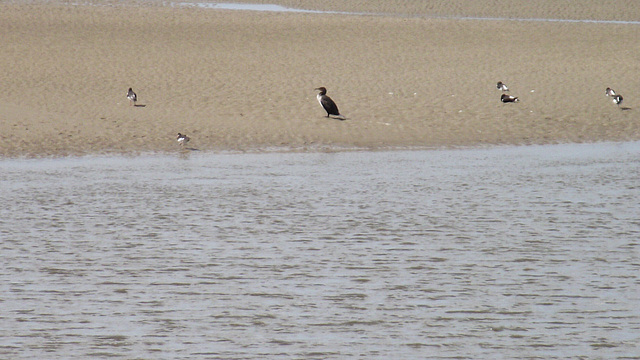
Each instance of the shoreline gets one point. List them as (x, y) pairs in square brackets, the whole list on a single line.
[(187, 153), (238, 80), (239, 6)]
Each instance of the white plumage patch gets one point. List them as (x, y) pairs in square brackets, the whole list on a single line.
[(182, 139), (617, 99)]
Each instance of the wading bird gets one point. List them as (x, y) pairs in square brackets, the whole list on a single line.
[(182, 139), (132, 97), (617, 99), (610, 92), (502, 86), (508, 98)]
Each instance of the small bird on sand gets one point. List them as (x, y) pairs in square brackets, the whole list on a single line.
[(617, 99), (508, 98), (182, 139), (328, 104), (610, 92), (502, 86), (132, 97)]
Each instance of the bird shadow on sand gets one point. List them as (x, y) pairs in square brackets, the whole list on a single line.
[(625, 108), (140, 105)]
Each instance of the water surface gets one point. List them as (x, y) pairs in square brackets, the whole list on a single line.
[(502, 253), (280, 8)]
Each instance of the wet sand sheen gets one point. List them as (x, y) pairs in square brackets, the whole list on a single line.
[(244, 80), (269, 7)]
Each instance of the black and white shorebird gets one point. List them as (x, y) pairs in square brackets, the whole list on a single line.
[(132, 97), (610, 92), (508, 98), (502, 86), (617, 99), (328, 104), (182, 139)]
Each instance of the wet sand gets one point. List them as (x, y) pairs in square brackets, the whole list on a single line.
[(240, 80)]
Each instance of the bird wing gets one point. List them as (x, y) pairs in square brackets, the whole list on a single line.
[(329, 105)]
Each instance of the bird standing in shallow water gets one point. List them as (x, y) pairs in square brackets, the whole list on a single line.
[(502, 86), (182, 139), (328, 104), (610, 92), (508, 98), (132, 97)]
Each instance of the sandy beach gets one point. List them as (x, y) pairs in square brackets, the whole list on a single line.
[(244, 80)]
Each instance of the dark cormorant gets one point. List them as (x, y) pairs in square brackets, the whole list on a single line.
[(328, 104)]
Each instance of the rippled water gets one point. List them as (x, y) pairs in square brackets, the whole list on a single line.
[(503, 253)]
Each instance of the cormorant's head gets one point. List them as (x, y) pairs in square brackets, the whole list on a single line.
[(322, 90)]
